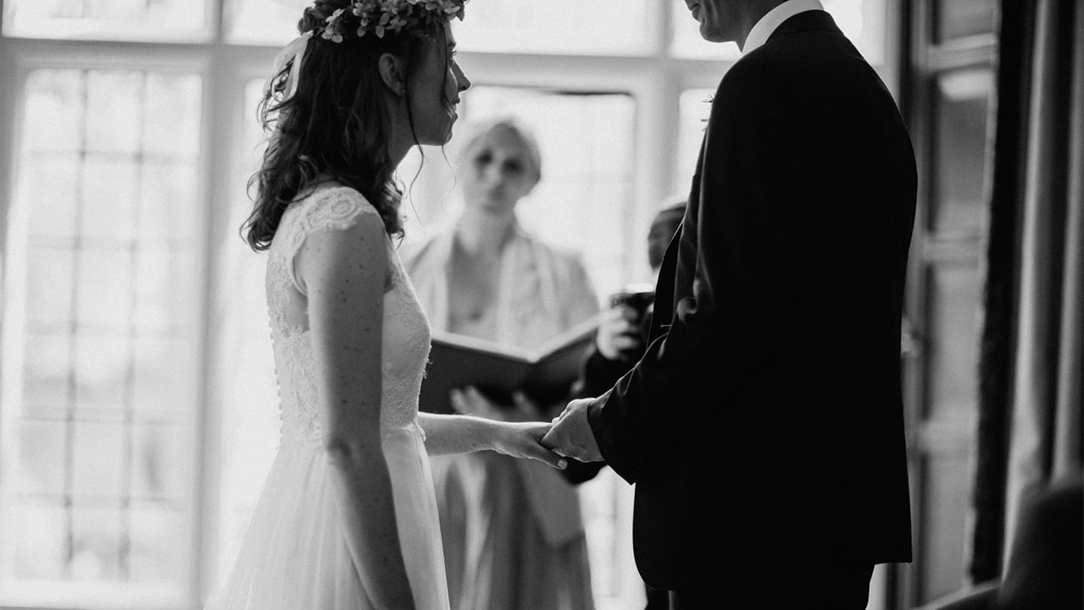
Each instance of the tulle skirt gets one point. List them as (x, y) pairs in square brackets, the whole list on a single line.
[(293, 555)]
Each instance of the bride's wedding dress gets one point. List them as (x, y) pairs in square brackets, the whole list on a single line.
[(294, 555)]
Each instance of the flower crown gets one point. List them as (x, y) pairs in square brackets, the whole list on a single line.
[(386, 16)]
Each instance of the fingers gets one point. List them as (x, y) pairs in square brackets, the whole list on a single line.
[(550, 439), (571, 406), (559, 441), (539, 450), (540, 453)]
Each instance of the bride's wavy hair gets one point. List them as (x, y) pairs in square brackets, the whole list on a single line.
[(336, 122)]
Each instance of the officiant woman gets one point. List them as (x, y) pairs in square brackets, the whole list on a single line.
[(513, 534)]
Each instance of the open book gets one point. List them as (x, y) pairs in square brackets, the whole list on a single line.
[(544, 374)]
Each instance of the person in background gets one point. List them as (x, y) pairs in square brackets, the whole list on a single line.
[(622, 334), (513, 536)]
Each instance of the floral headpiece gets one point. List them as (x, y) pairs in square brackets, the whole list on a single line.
[(358, 19), (387, 16)]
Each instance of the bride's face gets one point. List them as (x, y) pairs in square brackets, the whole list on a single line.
[(436, 88)]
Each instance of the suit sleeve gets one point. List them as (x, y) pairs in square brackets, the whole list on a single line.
[(742, 250)]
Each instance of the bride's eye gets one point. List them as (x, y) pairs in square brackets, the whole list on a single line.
[(483, 159)]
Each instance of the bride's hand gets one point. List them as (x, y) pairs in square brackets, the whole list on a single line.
[(522, 440)]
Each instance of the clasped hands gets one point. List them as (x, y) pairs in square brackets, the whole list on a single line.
[(568, 435)]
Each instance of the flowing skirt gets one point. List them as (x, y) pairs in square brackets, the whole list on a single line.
[(294, 556)]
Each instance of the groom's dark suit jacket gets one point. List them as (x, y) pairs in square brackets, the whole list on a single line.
[(764, 426)]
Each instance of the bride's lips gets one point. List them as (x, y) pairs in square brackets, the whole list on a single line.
[(695, 9)]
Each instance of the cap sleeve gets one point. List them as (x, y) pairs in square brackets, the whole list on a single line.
[(337, 209)]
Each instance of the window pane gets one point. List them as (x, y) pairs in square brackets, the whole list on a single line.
[(168, 191), (40, 533), (154, 302), (522, 26), (268, 22), (108, 287), (942, 543), (862, 21), (56, 179), (96, 545), (960, 151), (101, 371), (157, 541), (695, 108), (49, 284), (558, 26), (159, 467), (41, 458), (161, 373), (109, 183), (104, 288), (959, 18), (171, 129), (98, 462), (55, 112), (110, 95), (136, 20), (953, 303), (48, 369)]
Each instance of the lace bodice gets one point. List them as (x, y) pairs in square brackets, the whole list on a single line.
[(406, 335)]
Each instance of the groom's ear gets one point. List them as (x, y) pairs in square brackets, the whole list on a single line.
[(392, 74)]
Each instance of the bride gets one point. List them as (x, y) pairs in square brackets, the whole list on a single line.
[(347, 517)]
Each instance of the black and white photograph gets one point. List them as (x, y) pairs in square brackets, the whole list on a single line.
[(541, 304)]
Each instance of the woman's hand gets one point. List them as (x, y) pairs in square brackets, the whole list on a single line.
[(523, 440)]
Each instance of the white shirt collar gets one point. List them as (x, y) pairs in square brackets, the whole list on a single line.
[(774, 18)]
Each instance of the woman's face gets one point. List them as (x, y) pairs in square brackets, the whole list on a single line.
[(499, 171), (435, 92)]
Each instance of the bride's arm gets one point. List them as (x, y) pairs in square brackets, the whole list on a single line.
[(449, 434), (343, 272)]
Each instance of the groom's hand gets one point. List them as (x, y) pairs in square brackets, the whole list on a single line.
[(571, 434)]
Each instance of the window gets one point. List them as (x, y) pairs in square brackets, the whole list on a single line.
[(99, 373), (136, 414), (115, 20), (953, 85)]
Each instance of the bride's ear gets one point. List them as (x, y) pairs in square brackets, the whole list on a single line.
[(391, 73)]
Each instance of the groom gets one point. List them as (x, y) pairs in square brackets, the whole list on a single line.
[(764, 426)]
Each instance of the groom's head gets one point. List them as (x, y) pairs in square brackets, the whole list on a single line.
[(728, 20)]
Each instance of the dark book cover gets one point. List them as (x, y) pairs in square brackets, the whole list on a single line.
[(545, 374)]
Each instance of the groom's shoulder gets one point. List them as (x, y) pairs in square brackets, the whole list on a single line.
[(797, 64), (753, 76)]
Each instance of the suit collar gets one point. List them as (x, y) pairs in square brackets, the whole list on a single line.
[(771, 21), (809, 20)]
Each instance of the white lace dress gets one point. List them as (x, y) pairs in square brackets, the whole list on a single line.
[(294, 555)]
